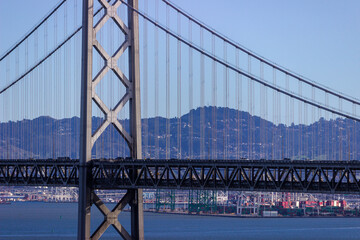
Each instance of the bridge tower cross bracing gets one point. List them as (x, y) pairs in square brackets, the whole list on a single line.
[(87, 196)]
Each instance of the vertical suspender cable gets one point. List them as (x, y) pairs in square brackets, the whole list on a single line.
[(35, 105), (25, 95), (20, 118), (50, 80), (262, 114), (15, 107), (156, 47), (354, 155), (348, 135), (267, 124), (292, 120), (327, 128), (333, 138), (54, 129), (253, 127), (145, 81), (318, 134), (73, 98), (348, 123), (238, 94), (37, 82), (61, 101), (273, 147), (226, 104), (30, 99), (278, 121), (167, 137), (10, 114), (341, 126), (7, 109), (59, 110), (287, 116), (259, 153), (249, 92), (313, 144), (45, 90), (67, 87), (191, 112), (300, 122), (3, 123), (179, 148), (202, 97), (306, 128), (78, 74), (213, 111), (11, 107)]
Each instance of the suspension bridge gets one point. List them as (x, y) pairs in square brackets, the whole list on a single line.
[(116, 94)]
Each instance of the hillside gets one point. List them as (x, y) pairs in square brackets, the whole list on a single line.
[(223, 133)]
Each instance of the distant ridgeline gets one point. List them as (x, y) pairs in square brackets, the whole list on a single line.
[(223, 134)]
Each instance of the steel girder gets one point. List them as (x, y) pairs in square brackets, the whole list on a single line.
[(276, 176), (39, 173), (244, 175)]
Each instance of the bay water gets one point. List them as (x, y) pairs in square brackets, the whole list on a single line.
[(37, 220)]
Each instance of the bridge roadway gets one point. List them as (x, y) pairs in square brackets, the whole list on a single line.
[(233, 175)]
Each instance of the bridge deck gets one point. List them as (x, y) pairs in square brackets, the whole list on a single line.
[(236, 175)]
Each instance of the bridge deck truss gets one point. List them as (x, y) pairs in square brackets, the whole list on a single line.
[(244, 175)]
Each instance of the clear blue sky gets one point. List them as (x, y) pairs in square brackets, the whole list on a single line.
[(317, 39)]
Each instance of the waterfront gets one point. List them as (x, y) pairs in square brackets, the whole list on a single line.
[(36, 220)]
